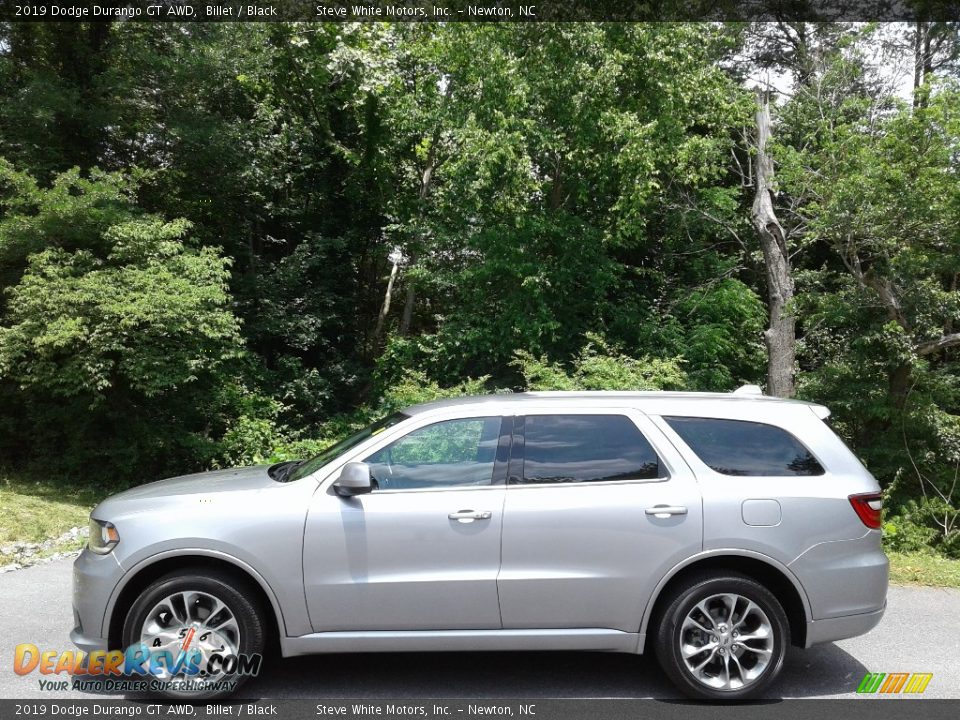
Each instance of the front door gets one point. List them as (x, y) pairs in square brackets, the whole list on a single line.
[(594, 517), (422, 551)]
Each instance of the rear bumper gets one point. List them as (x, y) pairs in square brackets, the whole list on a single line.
[(844, 578), (840, 628)]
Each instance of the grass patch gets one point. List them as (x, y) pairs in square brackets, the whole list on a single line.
[(920, 569), (32, 511)]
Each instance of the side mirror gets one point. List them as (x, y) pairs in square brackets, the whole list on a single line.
[(354, 479)]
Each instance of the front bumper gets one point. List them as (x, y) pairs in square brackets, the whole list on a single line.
[(94, 579), (87, 643)]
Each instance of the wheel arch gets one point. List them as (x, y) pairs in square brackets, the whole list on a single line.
[(148, 570), (767, 571)]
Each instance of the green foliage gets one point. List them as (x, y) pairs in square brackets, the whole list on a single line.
[(412, 388), (252, 432), (79, 325), (196, 221), (924, 568), (301, 449), (69, 215), (415, 387), (600, 367), (722, 337), (901, 534), (118, 321), (452, 442), (875, 183), (927, 524), (541, 374)]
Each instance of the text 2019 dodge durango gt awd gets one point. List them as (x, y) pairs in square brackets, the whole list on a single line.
[(711, 529)]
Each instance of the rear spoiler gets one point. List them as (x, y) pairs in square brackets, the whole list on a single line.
[(820, 411), (755, 390)]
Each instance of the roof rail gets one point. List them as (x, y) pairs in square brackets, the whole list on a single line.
[(748, 390)]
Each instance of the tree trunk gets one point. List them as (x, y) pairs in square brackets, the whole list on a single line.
[(408, 304), (385, 308), (922, 61), (780, 336), (899, 385), (426, 184), (917, 61)]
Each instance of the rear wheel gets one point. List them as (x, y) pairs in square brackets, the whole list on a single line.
[(722, 637), (200, 623)]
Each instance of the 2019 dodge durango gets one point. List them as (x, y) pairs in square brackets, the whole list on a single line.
[(711, 529)]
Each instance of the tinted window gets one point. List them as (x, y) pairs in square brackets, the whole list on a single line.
[(735, 447), (445, 454), (585, 448)]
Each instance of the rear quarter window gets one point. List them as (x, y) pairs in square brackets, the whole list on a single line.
[(739, 447)]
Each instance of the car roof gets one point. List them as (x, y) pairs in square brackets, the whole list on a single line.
[(605, 398)]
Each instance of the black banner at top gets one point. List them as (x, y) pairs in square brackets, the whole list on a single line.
[(475, 11)]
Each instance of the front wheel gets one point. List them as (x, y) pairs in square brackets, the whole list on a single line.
[(722, 637), (197, 629)]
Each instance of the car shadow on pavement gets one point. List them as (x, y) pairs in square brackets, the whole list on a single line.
[(825, 670), (821, 671)]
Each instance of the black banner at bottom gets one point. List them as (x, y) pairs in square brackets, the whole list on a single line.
[(865, 708)]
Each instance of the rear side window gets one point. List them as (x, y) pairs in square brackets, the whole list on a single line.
[(585, 448), (737, 447)]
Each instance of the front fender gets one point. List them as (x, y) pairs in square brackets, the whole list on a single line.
[(291, 617)]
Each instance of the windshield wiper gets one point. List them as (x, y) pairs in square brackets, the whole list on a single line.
[(281, 471), (287, 471)]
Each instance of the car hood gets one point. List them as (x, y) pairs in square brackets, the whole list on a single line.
[(206, 483)]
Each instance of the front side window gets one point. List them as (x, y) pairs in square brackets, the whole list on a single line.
[(586, 448), (738, 447), (301, 469), (451, 453)]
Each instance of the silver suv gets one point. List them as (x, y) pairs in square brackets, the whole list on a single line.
[(711, 529)]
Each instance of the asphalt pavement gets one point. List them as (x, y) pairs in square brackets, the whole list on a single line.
[(919, 633)]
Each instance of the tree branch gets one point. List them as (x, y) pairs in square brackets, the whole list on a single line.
[(933, 346)]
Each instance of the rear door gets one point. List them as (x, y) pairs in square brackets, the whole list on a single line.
[(598, 507)]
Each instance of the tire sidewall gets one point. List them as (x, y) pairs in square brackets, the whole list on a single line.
[(233, 594), (668, 646)]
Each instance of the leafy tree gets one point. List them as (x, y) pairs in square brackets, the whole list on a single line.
[(872, 179), (572, 204), (116, 339)]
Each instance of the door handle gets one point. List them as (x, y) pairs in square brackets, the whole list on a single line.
[(468, 516), (665, 511)]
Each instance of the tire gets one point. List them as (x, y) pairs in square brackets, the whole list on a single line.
[(726, 654), (165, 603)]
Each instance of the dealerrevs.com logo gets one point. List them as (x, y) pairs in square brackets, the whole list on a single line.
[(201, 663)]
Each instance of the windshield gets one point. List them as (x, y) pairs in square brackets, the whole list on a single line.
[(310, 466)]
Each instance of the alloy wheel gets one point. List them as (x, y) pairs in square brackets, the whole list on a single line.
[(191, 621), (726, 641)]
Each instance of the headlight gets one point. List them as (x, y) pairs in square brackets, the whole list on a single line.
[(103, 536)]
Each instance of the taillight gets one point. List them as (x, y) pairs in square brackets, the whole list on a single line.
[(868, 507)]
